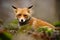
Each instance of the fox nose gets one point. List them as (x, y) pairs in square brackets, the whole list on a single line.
[(21, 20)]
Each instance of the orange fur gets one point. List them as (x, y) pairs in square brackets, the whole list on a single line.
[(39, 23)]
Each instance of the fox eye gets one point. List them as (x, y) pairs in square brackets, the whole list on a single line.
[(19, 15), (25, 15)]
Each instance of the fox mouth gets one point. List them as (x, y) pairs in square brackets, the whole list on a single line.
[(22, 23)]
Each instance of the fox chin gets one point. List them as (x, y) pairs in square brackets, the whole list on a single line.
[(24, 16)]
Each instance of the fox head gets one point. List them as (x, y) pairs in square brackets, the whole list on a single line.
[(23, 14)]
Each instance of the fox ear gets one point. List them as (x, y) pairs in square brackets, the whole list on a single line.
[(30, 7), (14, 7)]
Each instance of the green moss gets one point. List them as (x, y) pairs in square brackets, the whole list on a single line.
[(12, 24), (49, 31), (14, 21), (5, 36), (57, 23), (41, 29), (25, 27), (8, 34)]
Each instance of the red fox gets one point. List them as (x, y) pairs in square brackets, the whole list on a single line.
[(24, 16)]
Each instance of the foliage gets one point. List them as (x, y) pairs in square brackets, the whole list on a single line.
[(13, 25), (25, 28), (8, 26), (5, 36), (49, 31), (57, 23)]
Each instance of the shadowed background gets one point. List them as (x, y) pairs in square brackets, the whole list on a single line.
[(48, 10)]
